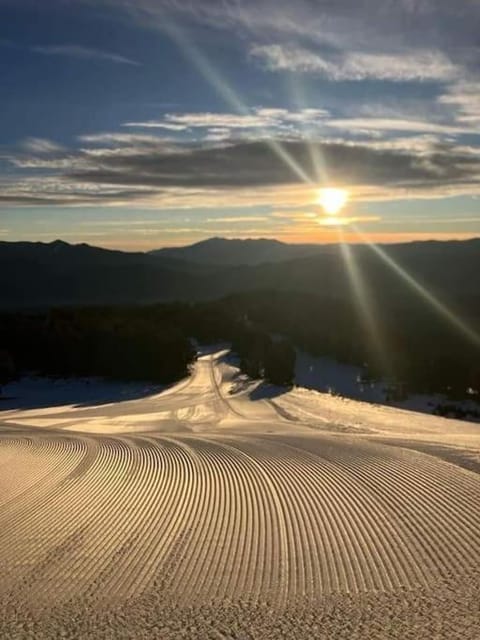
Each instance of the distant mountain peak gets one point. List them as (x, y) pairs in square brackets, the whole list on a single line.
[(237, 251), (218, 240), (59, 244)]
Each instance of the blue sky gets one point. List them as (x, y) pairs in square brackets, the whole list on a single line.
[(143, 123)]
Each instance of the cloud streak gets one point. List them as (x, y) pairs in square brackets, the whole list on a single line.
[(136, 169), (318, 19), (250, 164), (420, 66), (398, 40), (465, 98), (79, 52), (397, 125), (256, 118)]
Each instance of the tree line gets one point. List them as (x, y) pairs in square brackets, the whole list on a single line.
[(115, 343), (408, 344)]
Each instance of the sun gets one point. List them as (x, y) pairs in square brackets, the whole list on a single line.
[(332, 200)]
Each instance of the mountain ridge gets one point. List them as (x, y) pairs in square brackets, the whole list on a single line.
[(58, 273), (235, 251)]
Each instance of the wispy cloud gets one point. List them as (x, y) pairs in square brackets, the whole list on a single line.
[(464, 97), (396, 125), (156, 124), (135, 169), (41, 146), (120, 139), (316, 122), (258, 118), (238, 219), (343, 21), (421, 65), (396, 40), (82, 53)]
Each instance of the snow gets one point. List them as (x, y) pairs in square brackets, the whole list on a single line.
[(225, 507), (38, 391), (329, 376)]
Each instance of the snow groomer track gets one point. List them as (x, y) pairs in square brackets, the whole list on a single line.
[(202, 512)]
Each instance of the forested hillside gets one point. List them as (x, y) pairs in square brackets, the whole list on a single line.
[(36, 275), (410, 345)]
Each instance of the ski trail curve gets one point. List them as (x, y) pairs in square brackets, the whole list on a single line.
[(241, 508)]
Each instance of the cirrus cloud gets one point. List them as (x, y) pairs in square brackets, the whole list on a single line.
[(82, 53), (421, 65)]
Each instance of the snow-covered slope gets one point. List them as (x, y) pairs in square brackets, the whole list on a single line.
[(224, 508), (327, 375)]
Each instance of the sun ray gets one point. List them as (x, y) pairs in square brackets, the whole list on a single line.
[(365, 305), (436, 304), (316, 155), (213, 77)]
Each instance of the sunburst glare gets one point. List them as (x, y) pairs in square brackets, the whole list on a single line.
[(439, 306), (332, 200)]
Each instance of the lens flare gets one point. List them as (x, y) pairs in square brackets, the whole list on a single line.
[(427, 296), (199, 59), (332, 200), (366, 306)]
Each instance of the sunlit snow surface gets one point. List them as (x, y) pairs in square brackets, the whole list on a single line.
[(225, 508), (328, 375)]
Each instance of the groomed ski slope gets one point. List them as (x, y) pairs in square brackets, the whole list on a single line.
[(226, 509)]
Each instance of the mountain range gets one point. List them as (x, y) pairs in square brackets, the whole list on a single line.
[(34, 274), (230, 252)]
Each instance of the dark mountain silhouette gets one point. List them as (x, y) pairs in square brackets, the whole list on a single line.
[(229, 252), (35, 274), (38, 275)]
